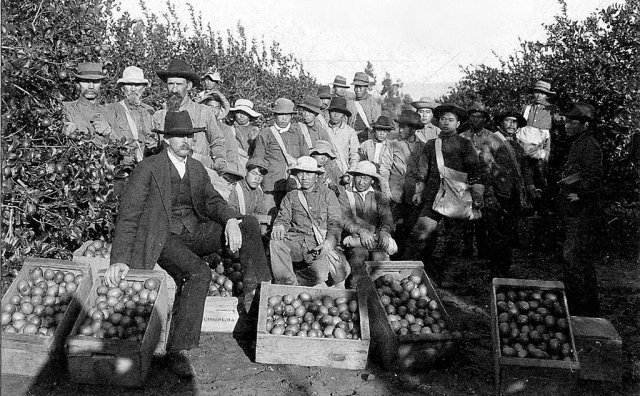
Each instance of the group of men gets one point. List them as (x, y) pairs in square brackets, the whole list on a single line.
[(342, 186)]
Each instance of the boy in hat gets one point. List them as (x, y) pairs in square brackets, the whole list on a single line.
[(459, 155), (85, 115), (211, 82), (246, 133), (247, 197), (324, 93), (280, 145), (378, 147), (232, 154), (366, 220), (171, 215), (312, 122), (324, 155), (343, 138), (579, 197), (307, 231), (364, 109), (424, 107), (208, 145)]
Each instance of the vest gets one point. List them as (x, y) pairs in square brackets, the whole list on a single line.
[(182, 214)]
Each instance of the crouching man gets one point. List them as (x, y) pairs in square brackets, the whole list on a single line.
[(307, 231), (367, 220), (170, 214)]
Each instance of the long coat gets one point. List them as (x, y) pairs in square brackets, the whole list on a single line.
[(142, 226)]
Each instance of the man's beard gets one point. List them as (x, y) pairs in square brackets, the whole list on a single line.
[(173, 101), (134, 98)]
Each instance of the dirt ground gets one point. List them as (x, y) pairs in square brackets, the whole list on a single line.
[(225, 363)]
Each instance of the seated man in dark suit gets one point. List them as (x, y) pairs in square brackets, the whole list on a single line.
[(170, 214)]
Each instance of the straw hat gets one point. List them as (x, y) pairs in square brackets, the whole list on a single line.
[(306, 164), (366, 168), (542, 86), (424, 103), (246, 106)]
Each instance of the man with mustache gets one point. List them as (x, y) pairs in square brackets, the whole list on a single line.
[(170, 214), (85, 115), (208, 145), (134, 118)]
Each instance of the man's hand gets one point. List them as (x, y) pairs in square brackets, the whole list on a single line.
[(220, 164), (322, 250), (573, 197), (278, 232), (417, 199), (115, 273), (100, 125), (233, 235), (385, 240), (368, 239)]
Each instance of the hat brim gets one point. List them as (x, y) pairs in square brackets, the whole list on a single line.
[(424, 105), (247, 110), (300, 169), (411, 124), (89, 76), (316, 110), (360, 83), (329, 153), (519, 118), (327, 96), (283, 112), (193, 77), (343, 111), (356, 173), (212, 77), (179, 132), (459, 112), (233, 173), (382, 127), (543, 90), (483, 112), (340, 85)]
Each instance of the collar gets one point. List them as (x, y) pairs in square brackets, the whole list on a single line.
[(542, 102), (82, 101), (337, 126), (282, 130), (175, 159), (364, 193), (186, 102), (384, 142)]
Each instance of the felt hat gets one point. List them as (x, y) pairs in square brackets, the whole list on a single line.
[(133, 75), (582, 112), (366, 168), (313, 103), (212, 74), (231, 175), (479, 107), (411, 118), (425, 102), (179, 68), (542, 86), (324, 92), (361, 78), (323, 147), (340, 105), (178, 124), (246, 106), (282, 106), (383, 123), (450, 108), (306, 164), (260, 163), (89, 71), (513, 113), (340, 81)]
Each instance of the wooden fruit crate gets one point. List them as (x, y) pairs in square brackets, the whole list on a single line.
[(411, 351), (565, 371), (220, 314), (113, 361), (25, 354), (303, 351), (599, 349)]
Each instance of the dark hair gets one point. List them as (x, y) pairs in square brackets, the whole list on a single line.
[(262, 170)]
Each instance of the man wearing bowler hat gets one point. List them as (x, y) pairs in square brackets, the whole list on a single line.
[(579, 199), (85, 115), (343, 138), (424, 107), (207, 145), (211, 82), (171, 215), (364, 109), (307, 232), (133, 117), (311, 127), (324, 93), (366, 221), (280, 145)]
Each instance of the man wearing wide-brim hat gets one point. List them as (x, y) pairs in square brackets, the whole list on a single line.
[(580, 205), (171, 215), (133, 117), (85, 115), (246, 133), (340, 86), (366, 220), (211, 82), (364, 109), (280, 145), (343, 138), (424, 107), (208, 146), (307, 231), (313, 125), (544, 116), (461, 158), (378, 147)]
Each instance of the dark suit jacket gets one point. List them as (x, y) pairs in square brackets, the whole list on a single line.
[(142, 226)]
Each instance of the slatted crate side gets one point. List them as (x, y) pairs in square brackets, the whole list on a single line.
[(528, 284), (26, 354), (328, 352)]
